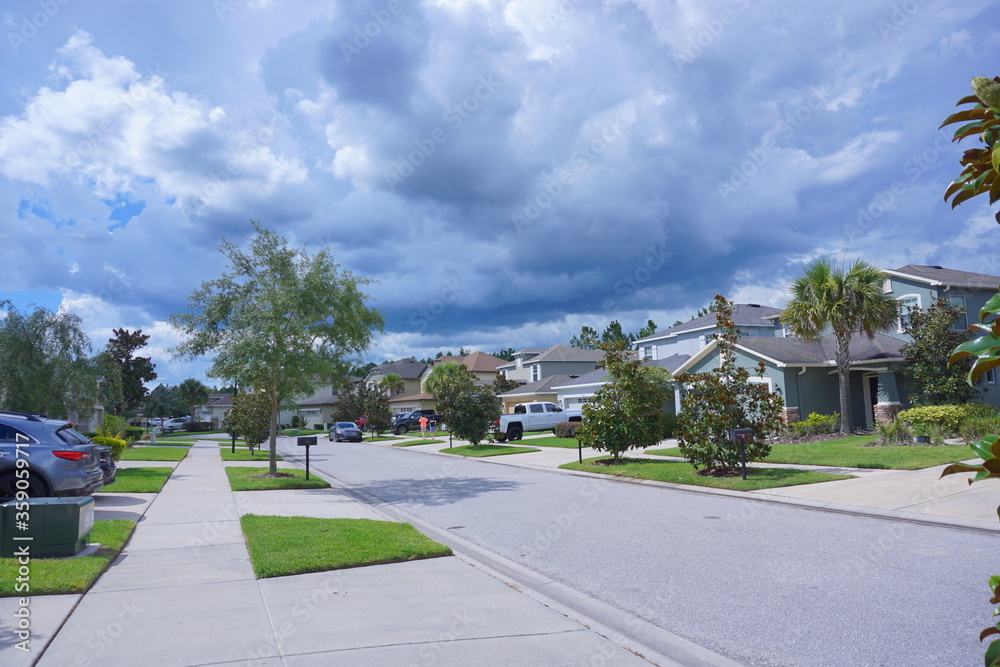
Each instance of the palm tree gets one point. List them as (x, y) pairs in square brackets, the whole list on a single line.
[(192, 393), (848, 300), (394, 384), (440, 374)]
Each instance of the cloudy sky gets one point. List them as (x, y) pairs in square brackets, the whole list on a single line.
[(506, 170)]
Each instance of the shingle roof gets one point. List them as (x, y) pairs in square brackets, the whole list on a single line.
[(567, 353), (671, 363), (541, 386), (480, 362), (408, 369), (412, 397), (938, 274), (799, 351), (744, 314), (321, 400)]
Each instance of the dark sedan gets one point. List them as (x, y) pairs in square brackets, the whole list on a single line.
[(345, 431)]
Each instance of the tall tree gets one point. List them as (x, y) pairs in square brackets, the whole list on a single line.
[(440, 373), (507, 354), (192, 393), (850, 301), (277, 318), (586, 339), (647, 330), (44, 363), (250, 418), (393, 384), (470, 410), (614, 334), (932, 381), (164, 401), (133, 372)]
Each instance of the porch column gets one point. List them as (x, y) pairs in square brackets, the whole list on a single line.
[(887, 405)]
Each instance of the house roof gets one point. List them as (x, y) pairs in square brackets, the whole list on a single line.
[(412, 397), (320, 400), (480, 362), (744, 315), (820, 352), (542, 386), (567, 353), (937, 275), (408, 369), (671, 363)]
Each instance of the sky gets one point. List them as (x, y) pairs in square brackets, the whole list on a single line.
[(507, 171)]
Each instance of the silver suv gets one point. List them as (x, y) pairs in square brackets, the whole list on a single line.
[(55, 459)]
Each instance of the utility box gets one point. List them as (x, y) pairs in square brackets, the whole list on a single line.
[(48, 527)]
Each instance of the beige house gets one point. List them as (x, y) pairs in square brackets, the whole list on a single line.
[(482, 365), (408, 369), (532, 365)]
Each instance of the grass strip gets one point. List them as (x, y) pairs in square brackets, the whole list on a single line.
[(487, 450), (243, 479), (284, 545), (245, 455), (52, 576), (138, 480), (165, 443), (852, 452), (681, 472), (552, 441), (154, 454), (410, 443)]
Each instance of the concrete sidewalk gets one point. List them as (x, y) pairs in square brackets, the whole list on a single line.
[(183, 593)]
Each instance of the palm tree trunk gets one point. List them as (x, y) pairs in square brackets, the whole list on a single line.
[(844, 378)]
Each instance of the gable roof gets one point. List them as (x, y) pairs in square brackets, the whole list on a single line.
[(939, 276), (408, 369), (567, 353), (598, 377), (543, 386), (480, 362), (744, 315)]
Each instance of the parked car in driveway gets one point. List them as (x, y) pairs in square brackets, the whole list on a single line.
[(345, 431), (173, 425), (108, 465), (410, 421), (59, 461)]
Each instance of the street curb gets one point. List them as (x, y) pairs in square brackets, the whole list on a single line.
[(648, 641), (954, 523)]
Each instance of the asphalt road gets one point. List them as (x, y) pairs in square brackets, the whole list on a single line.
[(762, 583)]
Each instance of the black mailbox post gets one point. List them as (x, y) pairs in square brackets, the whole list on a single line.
[(307, 441), (741, 436)]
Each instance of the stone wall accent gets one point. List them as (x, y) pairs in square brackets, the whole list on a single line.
[(885, 413), (791, 415)]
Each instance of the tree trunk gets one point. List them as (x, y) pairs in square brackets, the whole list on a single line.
[(273, 440), (844, 378)]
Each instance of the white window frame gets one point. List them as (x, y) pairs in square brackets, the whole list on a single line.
[(906, 297), (991, 376), (536, 373), (887, 286), (962, 321)]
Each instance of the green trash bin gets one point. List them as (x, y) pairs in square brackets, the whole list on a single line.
[(45, 527)]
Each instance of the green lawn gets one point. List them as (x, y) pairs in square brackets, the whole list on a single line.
[(681, 472), (851, 452), (245, 455), (167, 442), (154, 454), (281, 545), (302, 431), (138, 480), (410, 443), (58, 576), (487, 450), (551, 441), (242, 479)]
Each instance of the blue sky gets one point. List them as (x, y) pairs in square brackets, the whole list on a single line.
[(507, 171)]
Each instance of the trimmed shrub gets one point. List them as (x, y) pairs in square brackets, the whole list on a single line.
[(197, 426), (318, 427), (133, 433), (815, 424), (566, 429), (668, 422), (117, 445), (948, 417)]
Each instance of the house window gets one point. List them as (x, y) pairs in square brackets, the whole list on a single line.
[(647, 352), (962, 321), (907, 303), (887, 286), (991, 376), (536, 373)]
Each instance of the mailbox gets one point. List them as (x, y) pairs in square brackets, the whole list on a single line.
[(53, 527), (740, 435)]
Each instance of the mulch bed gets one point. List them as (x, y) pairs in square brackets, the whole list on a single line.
[(272, 475)]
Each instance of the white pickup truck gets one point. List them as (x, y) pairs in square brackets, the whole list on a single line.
[(535, 416)]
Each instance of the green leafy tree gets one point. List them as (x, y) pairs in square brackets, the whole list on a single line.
[(350, 403), (393, 384), (164, 401), (507, 354), (585, 340), (439, 375), (132, 372), (722, 399), (192, 393), (647, 330), (250, 419), (277, 318), (625, 413), (470, 410), (45, 365), (502, 385), (932, 381), (848, 300), (376, 409)]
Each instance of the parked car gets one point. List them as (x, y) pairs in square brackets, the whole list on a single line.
[(410, 421), (535, 416), (173, 425), (108, 465), (349, 431), (60, 461)]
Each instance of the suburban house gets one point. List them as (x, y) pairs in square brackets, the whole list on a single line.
[(532, 365), (542, 390), (215, 410), (482, 365), (803, 372), (408, 369), (576, 391), (319, 406)]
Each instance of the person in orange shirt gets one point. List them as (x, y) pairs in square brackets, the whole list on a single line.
[(423, 426)]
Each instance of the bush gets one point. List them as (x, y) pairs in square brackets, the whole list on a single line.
[(117, 445), (566, 429), (815, 424), (296, 422), (133, 433), (89, 435), (948, 417), (668, 422), (197, 426), (978, 424), (897, 432), (318, 427)]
